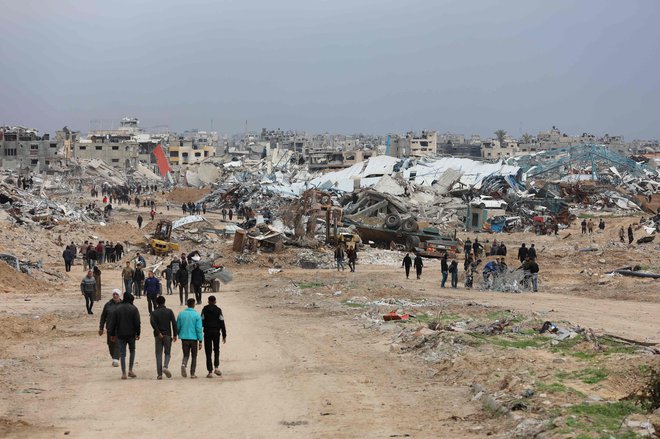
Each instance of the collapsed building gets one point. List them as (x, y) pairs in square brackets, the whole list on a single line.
[(389, 200), (408, 201)]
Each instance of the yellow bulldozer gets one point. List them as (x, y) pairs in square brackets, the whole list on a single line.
[(160, 242)]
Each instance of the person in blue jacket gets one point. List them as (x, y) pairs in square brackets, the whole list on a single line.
[(489, 271), (152, 290), (189, 327)]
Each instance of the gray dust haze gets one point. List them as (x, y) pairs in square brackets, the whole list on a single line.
[(372, 66)]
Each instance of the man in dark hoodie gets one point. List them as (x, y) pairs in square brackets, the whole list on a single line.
[(182, 279), (68, 256), (213, 323), (92, 256), (108, 309), (419, 264), (197, 279), (522, 253), (124, 328), (138, 280), (453, 269), (407, 263), (165, 332), (531, 252)]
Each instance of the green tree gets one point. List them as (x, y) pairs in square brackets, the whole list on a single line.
[(527, 138), (500, 135)]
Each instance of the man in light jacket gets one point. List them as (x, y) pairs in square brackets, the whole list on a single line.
[(189, 327)]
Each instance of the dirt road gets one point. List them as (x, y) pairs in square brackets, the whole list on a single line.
[(284, 376)]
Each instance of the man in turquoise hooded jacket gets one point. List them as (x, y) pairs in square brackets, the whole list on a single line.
[(189, 327)]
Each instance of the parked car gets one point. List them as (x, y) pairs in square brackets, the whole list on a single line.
[(489, 202)]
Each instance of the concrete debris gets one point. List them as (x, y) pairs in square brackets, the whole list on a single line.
[(638, 425), (20, 265), (190, 219), (393, 202), (26, 207)]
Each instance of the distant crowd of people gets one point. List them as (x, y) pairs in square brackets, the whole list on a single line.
[(474, 251), (25, 182), (193, 208)]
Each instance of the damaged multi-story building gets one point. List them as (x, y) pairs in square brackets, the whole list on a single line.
[(192, 147), (24, 150), (123, 147)]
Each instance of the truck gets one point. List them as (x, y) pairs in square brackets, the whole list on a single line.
[(409, 240)]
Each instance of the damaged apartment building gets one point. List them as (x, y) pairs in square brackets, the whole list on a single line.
[(122, 148), (24, 150), (430, 143), (192, 147), (319, 151)]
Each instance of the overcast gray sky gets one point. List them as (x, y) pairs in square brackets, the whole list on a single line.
[(372, 66)]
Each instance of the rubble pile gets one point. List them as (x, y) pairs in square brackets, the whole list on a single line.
[(26, 207), (393, 201)]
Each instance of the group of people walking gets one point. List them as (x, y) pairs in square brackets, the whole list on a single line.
[(92, 255), (631, 236), (588, 226), (341, 254), (120, 321), (418, 263), (177, 274), (491, 271), (193, 208)]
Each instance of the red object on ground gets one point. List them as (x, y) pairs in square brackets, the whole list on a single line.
[(392, 315)]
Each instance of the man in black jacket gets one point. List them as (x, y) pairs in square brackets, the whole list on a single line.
[(522, 253), (531, 252), (68, 256), (213, 323), (182, 279), (407, 263), (533, 268), (197, 279), (108, 309), (165, 332), (138, 280), (92, 256), (124, 328), (418, 265)]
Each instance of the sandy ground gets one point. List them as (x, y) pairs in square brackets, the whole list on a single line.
[(295, 364), (284, 376)]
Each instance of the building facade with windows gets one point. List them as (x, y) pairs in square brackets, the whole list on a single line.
[(22, 149)]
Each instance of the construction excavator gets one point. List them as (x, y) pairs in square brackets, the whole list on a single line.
[(161, 243)]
